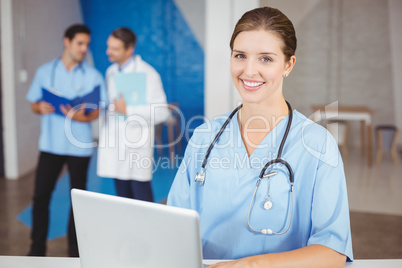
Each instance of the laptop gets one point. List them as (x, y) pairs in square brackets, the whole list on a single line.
[(120, 232)]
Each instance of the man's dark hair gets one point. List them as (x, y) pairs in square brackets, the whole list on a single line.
[(76, 29), (126, 35)]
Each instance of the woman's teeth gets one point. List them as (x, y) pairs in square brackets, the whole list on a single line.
[(252, 84)]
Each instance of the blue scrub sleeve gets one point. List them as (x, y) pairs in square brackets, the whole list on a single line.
[(179, 194), (35, 90), (330, 211), (184, 191)]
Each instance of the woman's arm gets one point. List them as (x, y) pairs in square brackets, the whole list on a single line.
[(309, 256)]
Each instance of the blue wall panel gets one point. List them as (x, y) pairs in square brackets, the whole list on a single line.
[(165, 41)]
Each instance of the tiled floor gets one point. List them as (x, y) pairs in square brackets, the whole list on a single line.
[(376, 189), (371, 190)]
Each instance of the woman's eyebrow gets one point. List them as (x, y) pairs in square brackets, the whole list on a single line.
[(261, 53), (268, 53), (238, 51)]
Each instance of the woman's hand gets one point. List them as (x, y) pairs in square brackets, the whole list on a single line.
[(309, 256), (240, 263)]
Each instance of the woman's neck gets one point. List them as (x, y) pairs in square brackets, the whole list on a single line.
[(262, 116), (257, 120)]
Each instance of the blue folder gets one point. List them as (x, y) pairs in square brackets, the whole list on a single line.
[(54, 100), (91, 99), (133, 88)]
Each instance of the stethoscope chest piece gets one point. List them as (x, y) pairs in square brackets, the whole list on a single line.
[(267, 205)]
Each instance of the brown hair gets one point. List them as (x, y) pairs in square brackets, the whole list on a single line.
[(126, 35), (76, 29), (268, 19)]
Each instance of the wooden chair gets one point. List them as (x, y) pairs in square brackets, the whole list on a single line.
[(173, 127), (387, 139), (339, 130)]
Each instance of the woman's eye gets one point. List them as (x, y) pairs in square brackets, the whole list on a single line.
[(266, 59), (240, 56)]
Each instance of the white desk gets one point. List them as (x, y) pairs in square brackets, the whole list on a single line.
[(53, 262), (38, 262)]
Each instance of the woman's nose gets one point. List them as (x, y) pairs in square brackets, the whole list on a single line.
[(250, 68)]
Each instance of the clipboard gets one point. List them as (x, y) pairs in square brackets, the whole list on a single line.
[(132, 86)]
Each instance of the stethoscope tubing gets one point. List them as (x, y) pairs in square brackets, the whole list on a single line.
[(53, 73), (269, 231), (200, 177), (204, 163)]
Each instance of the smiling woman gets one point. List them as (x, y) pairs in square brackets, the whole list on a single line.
[(290, 209), (258, 66)]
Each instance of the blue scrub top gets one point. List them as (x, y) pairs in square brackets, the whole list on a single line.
[(320, 204), (60, 135)]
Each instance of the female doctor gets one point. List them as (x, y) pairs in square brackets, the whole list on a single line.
[(270, 189)]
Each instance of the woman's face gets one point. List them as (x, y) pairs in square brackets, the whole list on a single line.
[(258, 66)]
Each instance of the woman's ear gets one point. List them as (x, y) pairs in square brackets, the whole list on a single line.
[(289, 66)]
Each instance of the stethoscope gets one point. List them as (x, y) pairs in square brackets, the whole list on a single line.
[(53, 77), (200, 176)]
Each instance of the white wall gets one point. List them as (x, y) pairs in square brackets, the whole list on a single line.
[(344, 55), (296, 11), (32, 33), (220, 18), (395, 23), (194, 13), (8, 88), (331, 34)]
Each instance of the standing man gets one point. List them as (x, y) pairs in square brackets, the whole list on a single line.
[(66, 132), (126, 137)]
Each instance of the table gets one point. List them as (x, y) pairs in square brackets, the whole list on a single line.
[(56, 262), (350, 113)]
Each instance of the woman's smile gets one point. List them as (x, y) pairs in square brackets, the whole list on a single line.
[(251, 85)]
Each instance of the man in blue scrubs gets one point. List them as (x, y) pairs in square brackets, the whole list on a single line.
[(66, 132)]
